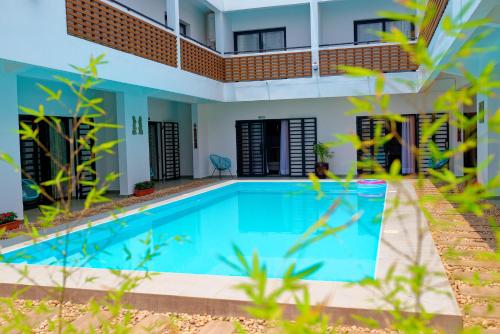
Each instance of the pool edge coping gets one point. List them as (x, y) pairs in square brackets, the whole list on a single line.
[(213, 287)]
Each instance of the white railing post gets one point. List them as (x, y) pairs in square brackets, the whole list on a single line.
[(314, 18), (173, 18)]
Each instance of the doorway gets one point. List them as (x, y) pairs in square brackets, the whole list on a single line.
[(272, 146), (40, 167), (164, 151), (470, 133), (276, 147), (410, 131)]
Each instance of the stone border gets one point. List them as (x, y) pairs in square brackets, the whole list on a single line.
[(190, 293)]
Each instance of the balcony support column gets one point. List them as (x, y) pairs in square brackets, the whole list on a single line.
[(173, 21), (133, 150), (314, 19)]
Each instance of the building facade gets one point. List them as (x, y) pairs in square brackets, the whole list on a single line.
[(255, 81)]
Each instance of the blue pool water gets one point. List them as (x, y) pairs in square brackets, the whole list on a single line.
[(267, 217)]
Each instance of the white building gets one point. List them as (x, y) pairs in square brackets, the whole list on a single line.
[(241, 79)]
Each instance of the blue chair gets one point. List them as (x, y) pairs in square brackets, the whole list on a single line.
[(438, 164), (220, 164), (30, 194)]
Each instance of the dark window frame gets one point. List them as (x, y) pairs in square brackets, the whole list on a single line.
[(383, 21), (183, 28), (261, 43)]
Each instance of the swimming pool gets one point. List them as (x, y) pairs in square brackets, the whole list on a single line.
[(267, 217)]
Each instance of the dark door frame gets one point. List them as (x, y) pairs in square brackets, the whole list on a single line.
[(161, 132), (417, 136), (263, 145), (43, 172)]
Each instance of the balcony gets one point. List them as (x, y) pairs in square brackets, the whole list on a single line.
[(121, 28), (383, 57), (110, 23), (202, 60)]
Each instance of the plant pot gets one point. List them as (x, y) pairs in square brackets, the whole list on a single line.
[(13, 225), (321, 169), (143, 192)]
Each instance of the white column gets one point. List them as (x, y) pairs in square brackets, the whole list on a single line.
[(488, 140), (173, 17), (11, 196), (456, 139), (314, 18), (482, 139), (133, 151), (220, 31)]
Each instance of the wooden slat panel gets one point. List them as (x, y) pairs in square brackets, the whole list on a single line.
[(434, 12), (199, 60), (101, 23), (384, 58), (268, 67)]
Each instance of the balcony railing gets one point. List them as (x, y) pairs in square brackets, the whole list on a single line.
[(381, 57), (283, 65), (104, 24), (201, 60)]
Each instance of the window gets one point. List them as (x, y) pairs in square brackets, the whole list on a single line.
[(260, 40), (183, 28), (365, 31)]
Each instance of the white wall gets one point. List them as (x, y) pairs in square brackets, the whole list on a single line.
[(108, 162), (294, 18), (337, 17), (488, 139), (154, 9), (11, 198), (29, 95), (169, 111), (196, 17), (216, 123)]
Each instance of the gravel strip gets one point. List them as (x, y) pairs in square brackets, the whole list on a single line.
[(449, 230)]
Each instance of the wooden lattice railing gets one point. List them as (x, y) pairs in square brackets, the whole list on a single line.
[(434, 12), (199, 60), (268, 67), (385, 58), (104, 24)]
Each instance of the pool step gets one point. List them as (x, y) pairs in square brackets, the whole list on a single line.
[(90, 321), (217, 327), (153, 324)]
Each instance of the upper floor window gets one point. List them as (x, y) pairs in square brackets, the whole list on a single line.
[(260, 40), (183, 28), (365, 31)]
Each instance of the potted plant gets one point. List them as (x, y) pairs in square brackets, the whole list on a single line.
[(8, 221), (323, 153), (144, 188)]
